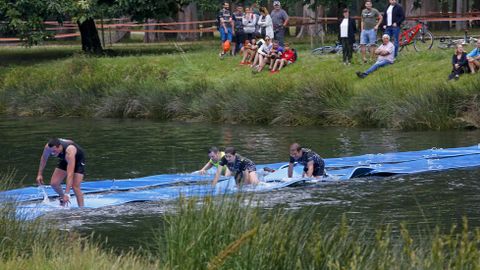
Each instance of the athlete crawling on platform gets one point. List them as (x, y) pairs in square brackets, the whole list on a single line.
[(242, 168), (314, 166)]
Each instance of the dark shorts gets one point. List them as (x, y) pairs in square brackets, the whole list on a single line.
[(250, 167), (79, 166), (318, 170)]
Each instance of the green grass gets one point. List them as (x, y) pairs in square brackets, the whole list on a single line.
[(189, 82)]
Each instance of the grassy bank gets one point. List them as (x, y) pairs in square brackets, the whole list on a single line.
[(233, 233), (189, 82)]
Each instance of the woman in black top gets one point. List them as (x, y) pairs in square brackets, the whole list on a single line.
[(459, 63)]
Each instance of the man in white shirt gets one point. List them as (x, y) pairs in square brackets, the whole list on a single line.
[(385, 56)]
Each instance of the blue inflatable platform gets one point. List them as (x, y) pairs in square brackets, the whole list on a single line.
[(36, 201)]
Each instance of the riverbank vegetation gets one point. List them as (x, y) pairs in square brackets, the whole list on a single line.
[(190, 83), (234, 232)]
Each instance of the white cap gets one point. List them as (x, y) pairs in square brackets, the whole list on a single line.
[(276, 3)]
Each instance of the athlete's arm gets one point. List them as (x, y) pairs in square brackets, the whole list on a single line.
[(206, 167), (43, 163), (217, 176), (71, 151), (310, 168), (290, 170)]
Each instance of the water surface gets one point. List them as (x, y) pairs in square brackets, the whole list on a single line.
[(122, 149)]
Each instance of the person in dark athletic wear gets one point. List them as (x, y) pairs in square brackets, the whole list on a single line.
[(71, 165), (314, 166), (242, 168)]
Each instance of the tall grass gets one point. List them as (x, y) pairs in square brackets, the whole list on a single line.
[(232, 233), (195, 85)]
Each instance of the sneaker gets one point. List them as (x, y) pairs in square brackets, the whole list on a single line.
[(451, 76), (361, 75), (62, 202), (243, 63), (457, 77), (221, 55)]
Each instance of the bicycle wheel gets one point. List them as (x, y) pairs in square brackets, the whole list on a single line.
[(322, 50), (445, 43), (423, 41)]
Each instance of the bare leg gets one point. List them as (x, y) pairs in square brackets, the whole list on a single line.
[(56, 181), (282, 63), (275, 66), (77, 181), (251, 178), (363, 49), (372, 52), (255, 60)]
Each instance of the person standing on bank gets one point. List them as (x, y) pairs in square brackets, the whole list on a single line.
[(71, 165), (392, 19), (280, 22), (371, 20), (347, 36)]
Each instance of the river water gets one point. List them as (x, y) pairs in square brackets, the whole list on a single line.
[(122, 149)]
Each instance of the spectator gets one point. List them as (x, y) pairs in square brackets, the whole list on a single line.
[(385, 56), (265, 23), (262, 54), (225, 26), (249, 51), (392, 19), (239, 34), (259, 44), (371, 20), (249, 23), (459, 63), (275, 53), (347, 36), (288, 57), (473, 58), (280, 22)]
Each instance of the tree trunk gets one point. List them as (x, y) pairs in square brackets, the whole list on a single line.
[(150, 37), (188, 14), (89, 35)]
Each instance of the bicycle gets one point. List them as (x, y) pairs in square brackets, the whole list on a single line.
[(448, 42), (418, 35), (329, 49)]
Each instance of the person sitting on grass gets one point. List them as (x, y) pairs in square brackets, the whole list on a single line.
[(287, 58), (215, 155), (459, 63), (262, 55), (242, 168), (260, 42), (249, 51), (473, 58), (385, 56), (275, 53)]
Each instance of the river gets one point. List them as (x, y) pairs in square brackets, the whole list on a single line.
[(122, 149)]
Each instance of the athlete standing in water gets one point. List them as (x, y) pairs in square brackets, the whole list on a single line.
[(243, 169), (215, 155), (314, 166), (71, 165)]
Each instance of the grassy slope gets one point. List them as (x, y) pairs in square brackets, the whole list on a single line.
[(189, 82)]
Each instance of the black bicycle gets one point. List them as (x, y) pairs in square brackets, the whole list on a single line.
[(337, 48)]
